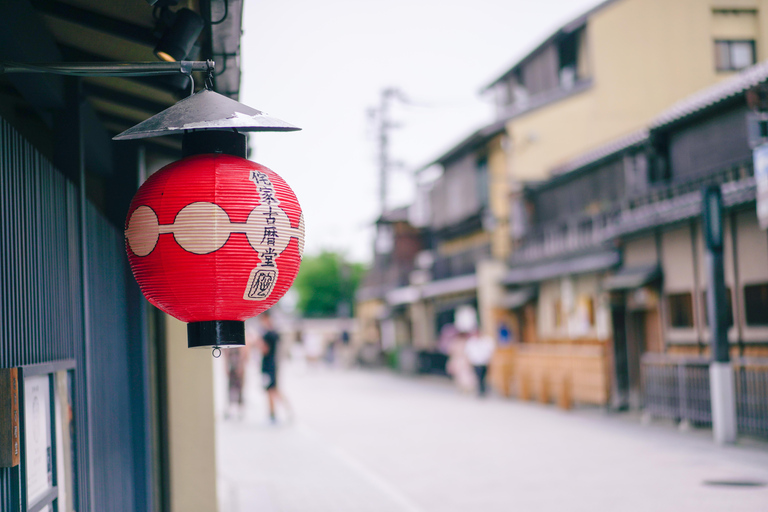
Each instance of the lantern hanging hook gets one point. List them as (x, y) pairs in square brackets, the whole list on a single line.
[(185, 67), (209, 75), (216, 352)]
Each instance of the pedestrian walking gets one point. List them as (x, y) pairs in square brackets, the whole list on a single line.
[(458, 365), (236, 359), (313, 347), (479, 351), (270, 341)]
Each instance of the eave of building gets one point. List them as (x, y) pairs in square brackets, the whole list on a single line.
[(124, 31), (545, 99), (598, 259), (432, 289), (569, 27), (711, 97), (476, 140), (589, 160)]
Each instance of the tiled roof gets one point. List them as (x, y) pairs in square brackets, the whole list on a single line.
[(601, 152), (713, 95), (469, 143)]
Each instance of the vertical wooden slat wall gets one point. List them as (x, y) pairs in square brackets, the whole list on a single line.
[(41, 317)]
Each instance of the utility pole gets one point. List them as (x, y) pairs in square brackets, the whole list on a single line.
[(721, 378), (384, 125)]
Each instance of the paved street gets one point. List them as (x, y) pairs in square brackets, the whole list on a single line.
[(375, 441)]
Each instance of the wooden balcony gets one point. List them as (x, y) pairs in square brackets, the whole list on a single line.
[(662, 205)]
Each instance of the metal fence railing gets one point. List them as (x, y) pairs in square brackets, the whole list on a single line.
[(752, 396), (678, 389)]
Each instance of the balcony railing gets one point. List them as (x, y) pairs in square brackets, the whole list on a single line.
[(459, 264), (663, 204)]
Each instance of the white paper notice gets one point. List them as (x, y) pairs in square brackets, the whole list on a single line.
[(37, 426)]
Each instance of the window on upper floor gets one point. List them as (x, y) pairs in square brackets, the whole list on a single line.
[(734, 32), (572, 59), (756, 304), (734, 55), (680, 310), (560, 65)]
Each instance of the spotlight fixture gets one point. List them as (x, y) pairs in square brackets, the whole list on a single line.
[(180, 36)]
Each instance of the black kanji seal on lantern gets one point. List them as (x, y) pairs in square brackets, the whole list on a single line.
[(262, 283)]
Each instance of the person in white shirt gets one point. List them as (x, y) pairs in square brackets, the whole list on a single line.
[(479, 350)]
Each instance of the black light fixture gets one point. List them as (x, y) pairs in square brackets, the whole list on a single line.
[(179, 38)]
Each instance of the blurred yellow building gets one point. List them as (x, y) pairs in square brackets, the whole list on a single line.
[(524, 221)]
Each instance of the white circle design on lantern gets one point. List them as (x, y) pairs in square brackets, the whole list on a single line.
[(143, 231), (268, 226), (301, 235), (201, 227)]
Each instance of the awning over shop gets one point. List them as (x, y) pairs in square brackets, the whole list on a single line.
[(518, 298), (582, 264), (404, 295), (451, 285), (631, 278)]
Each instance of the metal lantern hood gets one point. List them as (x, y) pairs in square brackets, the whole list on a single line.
[(206, 110)]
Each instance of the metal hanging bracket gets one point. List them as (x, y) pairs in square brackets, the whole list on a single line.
[(110, 68)]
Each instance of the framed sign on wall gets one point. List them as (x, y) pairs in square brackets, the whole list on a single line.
[(44, 476)]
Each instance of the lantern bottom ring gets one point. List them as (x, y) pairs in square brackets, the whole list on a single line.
[(216, 333)]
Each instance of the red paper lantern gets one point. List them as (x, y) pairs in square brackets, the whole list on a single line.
[(214, 238)]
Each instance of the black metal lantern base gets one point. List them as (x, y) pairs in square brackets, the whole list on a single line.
[(216, 333)]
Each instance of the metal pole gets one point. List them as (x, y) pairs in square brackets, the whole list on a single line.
[(383, 148), (721, 378), (109, 69)]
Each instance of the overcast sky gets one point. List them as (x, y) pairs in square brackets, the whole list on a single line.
[(322, 65)]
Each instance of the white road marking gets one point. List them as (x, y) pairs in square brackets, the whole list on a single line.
[(377, 481)]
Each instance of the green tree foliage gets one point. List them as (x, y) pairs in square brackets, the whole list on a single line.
[(326, 285)]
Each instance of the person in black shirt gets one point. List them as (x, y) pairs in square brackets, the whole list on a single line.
[(269, 349)]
